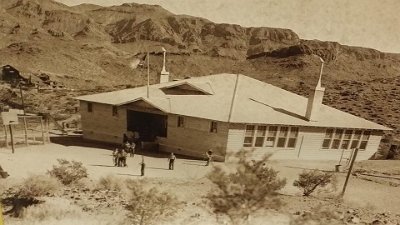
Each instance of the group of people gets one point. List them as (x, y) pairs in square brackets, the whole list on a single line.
[(120, 154), (129, 147)]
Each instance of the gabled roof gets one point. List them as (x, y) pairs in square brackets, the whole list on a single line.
[(255, 102)]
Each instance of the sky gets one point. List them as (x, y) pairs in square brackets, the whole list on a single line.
[(367, 23)]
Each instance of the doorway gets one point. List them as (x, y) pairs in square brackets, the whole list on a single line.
[(148, 125)]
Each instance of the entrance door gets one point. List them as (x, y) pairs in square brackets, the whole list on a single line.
[(148, 125)]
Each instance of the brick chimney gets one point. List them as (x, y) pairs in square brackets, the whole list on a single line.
[(164, 77), (315, 99)]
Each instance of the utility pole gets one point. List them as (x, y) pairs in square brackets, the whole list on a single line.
[(23, 118), (148, 74), (22, 98), (12, 138), (353, 159)]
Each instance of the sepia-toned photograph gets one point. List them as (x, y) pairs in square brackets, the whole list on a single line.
[(199, 112)]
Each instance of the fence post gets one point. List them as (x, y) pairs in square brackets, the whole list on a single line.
[(12, 139), (47, 129), (42, 127), (25, 131), (5, 135)]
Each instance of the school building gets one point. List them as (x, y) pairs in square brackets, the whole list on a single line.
[(226, 113)]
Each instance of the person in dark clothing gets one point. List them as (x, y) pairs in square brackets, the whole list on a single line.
[(209, 155), (124, 154), (115, 156), (142, 167), (171, 159)]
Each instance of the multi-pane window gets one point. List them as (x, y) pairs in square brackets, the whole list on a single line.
[(270, 136), (213, 127), (364, 140), (249, 135), (115, 111), (181, 121), (328, 138), (89, 107), (283, 133), (260, 136), (294, 131), (345, 139), (337, 137)]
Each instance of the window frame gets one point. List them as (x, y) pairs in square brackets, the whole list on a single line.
[(213, 127), (114, 110), (180, 121), (268, 136), (90, 107), (354, 141)]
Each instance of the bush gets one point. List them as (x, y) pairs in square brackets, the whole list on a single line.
[(68, 172), (110, 183), (38, 186), (250, 188), (26, 193), (308, 181), (149, 206)]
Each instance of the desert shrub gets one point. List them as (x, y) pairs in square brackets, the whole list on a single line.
[(310, 180), (58, 211), (250, 188), (68, 172), (38, 186), (27, 192), (53, 208), (320, 214), (150, 206), (111, 183)]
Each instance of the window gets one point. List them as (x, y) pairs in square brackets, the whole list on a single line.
[(249, 135), (356, 139), (213, 127), (328, 138), (345, 139), (181, 121), (283, 133), (89, 107), (364, 139), (260, 136), (271, 137), (115, 111), (337, 137), (294, 131)]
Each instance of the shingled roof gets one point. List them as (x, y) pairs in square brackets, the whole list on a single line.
[(255, 102)]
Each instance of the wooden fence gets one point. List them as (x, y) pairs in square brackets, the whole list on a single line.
[(30, 130)]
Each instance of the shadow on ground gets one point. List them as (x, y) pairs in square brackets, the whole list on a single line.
[(77, 140)]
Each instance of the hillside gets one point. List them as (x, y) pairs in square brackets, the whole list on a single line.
[(89, 48)]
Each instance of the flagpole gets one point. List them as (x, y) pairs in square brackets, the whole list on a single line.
[(148, 75)]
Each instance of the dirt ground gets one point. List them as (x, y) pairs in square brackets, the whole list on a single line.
[(189, 183)]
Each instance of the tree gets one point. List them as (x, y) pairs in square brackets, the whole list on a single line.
[(308, 181), (250, 188)]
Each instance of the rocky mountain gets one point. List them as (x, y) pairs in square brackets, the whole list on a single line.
[(90, 48)]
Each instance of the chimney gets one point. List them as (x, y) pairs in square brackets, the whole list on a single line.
[(315, 99), (164, 77)]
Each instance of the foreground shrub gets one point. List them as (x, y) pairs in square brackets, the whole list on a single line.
[(251, 188), (110, 183), (38, 186), (68, 172), (308, 181), (150, 206), (27, 193)]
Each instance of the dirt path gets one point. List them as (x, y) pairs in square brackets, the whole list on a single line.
[(188, 181)]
